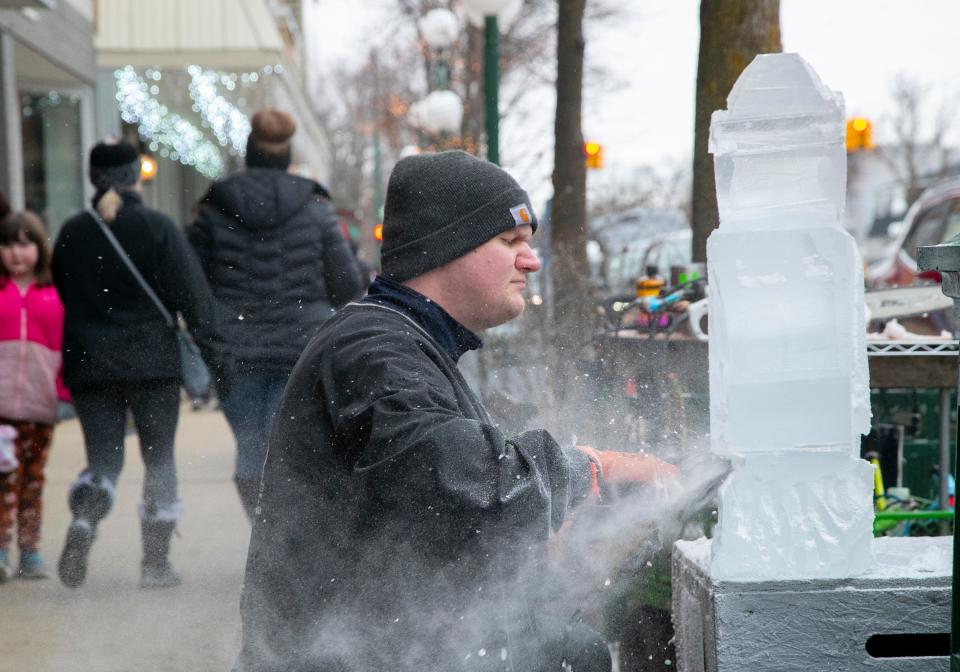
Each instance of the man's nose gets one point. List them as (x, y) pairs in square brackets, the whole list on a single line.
[(528, 261)]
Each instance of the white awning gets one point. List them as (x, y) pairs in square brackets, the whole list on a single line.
[(34, 4), (232, 35), (229, 35)]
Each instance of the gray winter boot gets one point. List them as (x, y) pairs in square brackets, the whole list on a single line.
[(90, 499), (155, 570)]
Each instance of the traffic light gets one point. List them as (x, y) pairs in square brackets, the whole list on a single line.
[(378, 233), (859, 134), (594, 153)]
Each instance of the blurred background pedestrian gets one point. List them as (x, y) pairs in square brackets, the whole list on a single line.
[(31, 333), (271, 246), (120, 354)]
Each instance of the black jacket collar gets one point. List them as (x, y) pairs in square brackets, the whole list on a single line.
[(453, 337)]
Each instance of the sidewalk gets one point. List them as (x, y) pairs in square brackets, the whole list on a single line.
[(109, 624)]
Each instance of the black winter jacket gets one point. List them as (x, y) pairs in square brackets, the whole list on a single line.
[(399, 528), (277, 263), (112, 330)]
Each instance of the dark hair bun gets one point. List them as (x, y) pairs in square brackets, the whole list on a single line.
[(272, 126)]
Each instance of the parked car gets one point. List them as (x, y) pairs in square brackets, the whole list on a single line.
[(621, 242), (933, 218), (669, 250)]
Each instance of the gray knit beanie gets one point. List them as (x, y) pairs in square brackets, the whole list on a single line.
[(441, 206)]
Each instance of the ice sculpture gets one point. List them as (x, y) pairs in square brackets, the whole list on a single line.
[(789, 393)]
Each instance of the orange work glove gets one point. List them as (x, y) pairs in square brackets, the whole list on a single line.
[(618, 467)]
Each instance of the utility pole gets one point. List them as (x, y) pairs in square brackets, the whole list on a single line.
[(491, 86), (945, 259), (377, 152)]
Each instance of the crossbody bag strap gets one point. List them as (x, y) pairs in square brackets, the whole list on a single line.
[(133, 269)]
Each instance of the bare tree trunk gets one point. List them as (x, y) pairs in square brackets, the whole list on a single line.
[(572, 303), (732, 32), (472, 86)]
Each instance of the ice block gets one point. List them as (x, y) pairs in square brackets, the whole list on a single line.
[(789, 394)]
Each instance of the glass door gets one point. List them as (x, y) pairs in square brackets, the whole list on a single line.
[(52, 155)]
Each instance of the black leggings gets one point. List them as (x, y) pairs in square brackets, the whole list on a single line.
[(103, 415)]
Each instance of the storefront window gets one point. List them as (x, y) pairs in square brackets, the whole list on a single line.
[(52, 155)]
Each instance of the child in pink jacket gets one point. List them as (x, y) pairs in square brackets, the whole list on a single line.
[(31, 332)]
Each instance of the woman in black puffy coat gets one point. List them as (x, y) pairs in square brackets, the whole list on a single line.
[(273, 252)]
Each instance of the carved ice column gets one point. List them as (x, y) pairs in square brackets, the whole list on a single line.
[(789, 394)]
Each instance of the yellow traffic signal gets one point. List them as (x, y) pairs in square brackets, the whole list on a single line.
[(594, 153), (378, 233), (859, 134)]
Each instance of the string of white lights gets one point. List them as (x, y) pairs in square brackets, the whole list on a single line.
[(230, 126), (188, 143)]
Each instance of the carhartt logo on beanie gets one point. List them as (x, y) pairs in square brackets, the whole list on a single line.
[(441, 206)]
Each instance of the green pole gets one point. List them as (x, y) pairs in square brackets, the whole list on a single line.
[(491, 84), (377, 155), (913, 515), (377, 191), (377, 176)]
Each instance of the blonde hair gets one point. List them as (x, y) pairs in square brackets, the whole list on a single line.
[(109, 205)]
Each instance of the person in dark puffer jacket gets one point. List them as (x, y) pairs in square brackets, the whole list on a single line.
[(271, 247)]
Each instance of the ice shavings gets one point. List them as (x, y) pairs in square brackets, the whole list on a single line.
[(917, 558), (931, 561), (912, 557)]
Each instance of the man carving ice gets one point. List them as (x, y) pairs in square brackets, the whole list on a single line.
[(398, 527)]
